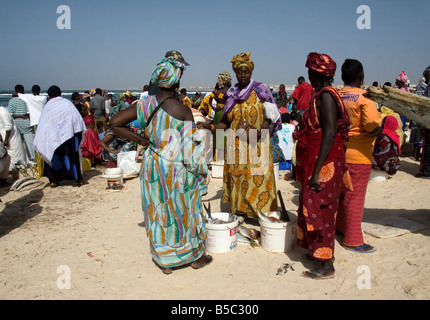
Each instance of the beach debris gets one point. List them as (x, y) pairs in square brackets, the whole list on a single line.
[(90, 254), (284, 269), (412, 106), (24, 182)]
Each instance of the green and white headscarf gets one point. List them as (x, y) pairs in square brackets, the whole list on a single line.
[(168, 72)]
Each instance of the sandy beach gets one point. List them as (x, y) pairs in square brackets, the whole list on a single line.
[(98, 237)]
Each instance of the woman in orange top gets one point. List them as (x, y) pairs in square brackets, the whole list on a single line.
[(364, 127)]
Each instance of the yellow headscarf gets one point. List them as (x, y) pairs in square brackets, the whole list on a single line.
[(241, 60)]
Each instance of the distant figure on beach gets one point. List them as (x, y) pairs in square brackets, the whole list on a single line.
[(97, 106), (364, 128), (90, 148), (282, 97), (212, 106), (425, 157), (35, 103), (4, 164), (58, 138), (19, 111), (386, 150), (11, 139), (402, 84), (321, 166), (173, 173), (112, 145), (302, 96), (184, 99)]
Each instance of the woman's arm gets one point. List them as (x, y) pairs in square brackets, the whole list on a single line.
[(328, 122), (119, 123)]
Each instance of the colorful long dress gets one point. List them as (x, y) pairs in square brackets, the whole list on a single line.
[(249, 180), (173, 176), (316, 224)]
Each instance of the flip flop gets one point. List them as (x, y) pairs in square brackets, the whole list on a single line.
[(166, 271), (208, 260), (360, 248), (315, 275)]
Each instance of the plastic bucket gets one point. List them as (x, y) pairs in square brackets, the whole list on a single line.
[(278, 237), (378, 176), (276, 170), (221, 238)]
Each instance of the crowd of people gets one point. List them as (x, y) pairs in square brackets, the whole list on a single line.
[(334, 138)]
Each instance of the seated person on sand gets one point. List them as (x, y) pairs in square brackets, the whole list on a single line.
[(112, 145), (91, 150)]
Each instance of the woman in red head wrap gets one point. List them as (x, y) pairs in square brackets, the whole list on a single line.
[(90, 147), (321, 167)]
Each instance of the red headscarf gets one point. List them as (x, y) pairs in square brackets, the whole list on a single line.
[(321, 63), (89, 120), (390, 126)]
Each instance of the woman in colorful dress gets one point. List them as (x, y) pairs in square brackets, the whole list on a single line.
[(249, 180), (173, 173), (321, 166)]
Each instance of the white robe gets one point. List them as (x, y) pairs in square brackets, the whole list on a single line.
[(15, 148)]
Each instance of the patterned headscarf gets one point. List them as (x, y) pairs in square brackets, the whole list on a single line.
[(241, 60), (223, 79), (403, 77), (168, 72), (321, 64)]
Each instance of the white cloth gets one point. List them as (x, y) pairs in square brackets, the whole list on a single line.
[(286, 141), (15, 148), (35, 106), (59, 122)]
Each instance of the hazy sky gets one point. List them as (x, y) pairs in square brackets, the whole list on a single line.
[(116, 44)]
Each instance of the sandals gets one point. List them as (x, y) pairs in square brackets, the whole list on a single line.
[(208, 260), (365, 248), (315, 275), (166, 271)]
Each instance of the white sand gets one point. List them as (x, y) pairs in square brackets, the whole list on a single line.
[(43, 229)]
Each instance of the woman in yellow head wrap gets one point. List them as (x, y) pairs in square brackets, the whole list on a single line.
[(249, 180)]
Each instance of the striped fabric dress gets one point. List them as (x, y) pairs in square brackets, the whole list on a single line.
[(173, 178)]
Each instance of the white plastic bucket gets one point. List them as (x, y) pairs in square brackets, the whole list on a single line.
[(114, 178), (378, 176), (276, 171), (278, 237), (217, 170), (221, 238)]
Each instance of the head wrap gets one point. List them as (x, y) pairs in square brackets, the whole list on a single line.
[(223, 79), (426, 70), (168, 72), (321, 63), (390, 126), (54, 92), (89, 120), (242, 60), (177, 56), (403, 77)]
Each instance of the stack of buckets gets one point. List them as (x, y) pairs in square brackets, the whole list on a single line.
[(275, 237)]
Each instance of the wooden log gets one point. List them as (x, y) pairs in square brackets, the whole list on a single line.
[(410, 105)]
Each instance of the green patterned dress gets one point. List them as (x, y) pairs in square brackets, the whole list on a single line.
[(173, 176)]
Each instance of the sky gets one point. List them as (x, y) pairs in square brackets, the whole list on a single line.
[(117, 44)]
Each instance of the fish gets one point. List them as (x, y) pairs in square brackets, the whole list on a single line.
[(284, 269), (412, 106), (28, 183), (18, 182), (243, 239), (263, 217), (244, 231), (249, 235)]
